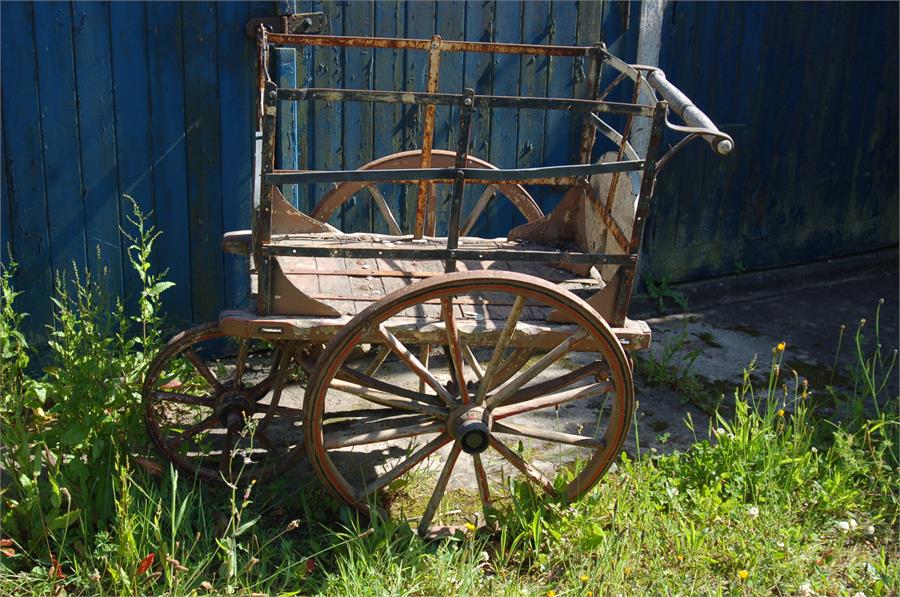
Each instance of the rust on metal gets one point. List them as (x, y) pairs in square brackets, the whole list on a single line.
[(425, 44), (425, 199), (306, 22)]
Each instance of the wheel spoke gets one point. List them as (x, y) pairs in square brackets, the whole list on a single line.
[(511, 365), (479, 206), (473, 362), (456, 356), (557, 383), (202, 369), (534, 475), (424, 357), (184, 398), (241, 363), (505, 336), (386, 399), (407, 465), (509, 388), (481, 477), (385, 210), (439, 489), (550, 435), (380, 356), (415, 365), (348, 374), (518, 408), (282, 411), (268, 444), (207, 423), (353, 437)]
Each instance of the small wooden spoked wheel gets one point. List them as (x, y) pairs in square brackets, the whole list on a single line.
[(215, 405), (438, 455), (440, 158)]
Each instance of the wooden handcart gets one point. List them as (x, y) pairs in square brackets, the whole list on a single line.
[(426, 372)]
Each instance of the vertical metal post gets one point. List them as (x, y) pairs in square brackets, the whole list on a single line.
[(596, 52), (423, 198), (648, 182), (459, 185), (626, 133), (264, 215)]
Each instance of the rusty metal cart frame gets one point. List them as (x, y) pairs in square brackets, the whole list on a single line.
[(465, 414)]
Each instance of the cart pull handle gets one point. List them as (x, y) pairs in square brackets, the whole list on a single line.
[(697, 121)]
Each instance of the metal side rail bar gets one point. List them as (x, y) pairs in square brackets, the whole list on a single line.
[(471, 175)]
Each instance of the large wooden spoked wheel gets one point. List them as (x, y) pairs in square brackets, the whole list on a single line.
[(466, 443), (440, 158), (215, 405)]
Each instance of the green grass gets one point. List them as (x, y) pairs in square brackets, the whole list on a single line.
[(771, 498)]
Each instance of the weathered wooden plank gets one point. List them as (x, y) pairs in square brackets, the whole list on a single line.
[(533, 80), (327, 117), (359, 19), (165, 60), (24, 202), (419, 25), (504, 123), (203, 144), (236, 68), (387, 129), (59, 136), (450, 21), (478, 73), (131, 97), (97, 142)]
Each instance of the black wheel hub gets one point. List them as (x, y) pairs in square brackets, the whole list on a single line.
[(232, 407), (471, 426)]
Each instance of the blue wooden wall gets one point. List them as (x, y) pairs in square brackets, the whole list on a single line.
[(810, 93), (155, 100)]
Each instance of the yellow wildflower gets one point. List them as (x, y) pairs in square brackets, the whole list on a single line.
[(470, 527), (743, 574), (584, 578), (780, 412), (680, 557), (780, 346), (627, 570), (551, 593), (589, 594)]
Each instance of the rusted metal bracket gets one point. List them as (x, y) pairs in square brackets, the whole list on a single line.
[(304, 22)]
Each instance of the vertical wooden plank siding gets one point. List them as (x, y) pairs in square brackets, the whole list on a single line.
[(156, 100), (203, 140), (327, 117), (450, 21), (236, 62), (25, 197), (479, 74), (131, 97), (387, 123), (59, 134), (533, 82), (504, 122), (169, 158), (419, 24), (97, 141), (357, 214)]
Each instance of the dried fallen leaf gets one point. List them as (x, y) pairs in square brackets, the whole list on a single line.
[(145, 564)]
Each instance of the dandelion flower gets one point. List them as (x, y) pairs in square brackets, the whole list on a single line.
[(551, 593), (470, 527), (589, 594), (743, 574), (780, 412), (781, 346), (680, 557), (584, 578), (753, 511)]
